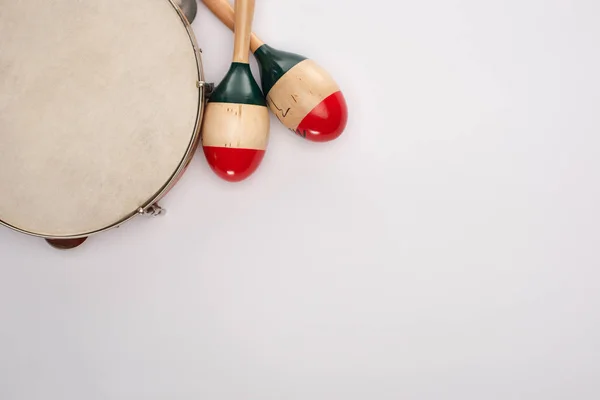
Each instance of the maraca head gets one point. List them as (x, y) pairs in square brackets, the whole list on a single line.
[(235, 132), (302, 95)]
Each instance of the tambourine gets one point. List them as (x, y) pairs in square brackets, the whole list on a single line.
[(101, 106)]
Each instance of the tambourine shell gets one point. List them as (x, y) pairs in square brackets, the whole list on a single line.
[(100, 111)]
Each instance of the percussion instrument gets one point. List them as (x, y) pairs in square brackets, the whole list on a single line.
[(101, 104), (236, 125), (302, 95)]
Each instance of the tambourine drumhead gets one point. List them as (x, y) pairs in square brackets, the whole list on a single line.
[(99, 111)]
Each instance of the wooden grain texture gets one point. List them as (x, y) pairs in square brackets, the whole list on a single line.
[(236, 126), (226, 14), (244, 13), (299, 91)]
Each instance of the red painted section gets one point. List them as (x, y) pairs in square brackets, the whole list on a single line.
[(326, 121), (233, 165)]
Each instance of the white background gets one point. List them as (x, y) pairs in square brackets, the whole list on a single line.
[(446, 247)]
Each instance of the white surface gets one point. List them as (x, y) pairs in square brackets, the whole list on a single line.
[(445, 248)]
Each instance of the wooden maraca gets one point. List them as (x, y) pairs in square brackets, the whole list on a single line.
[(236, 123), (302, 95)]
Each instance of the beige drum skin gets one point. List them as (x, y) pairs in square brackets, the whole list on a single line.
[(101, 105)]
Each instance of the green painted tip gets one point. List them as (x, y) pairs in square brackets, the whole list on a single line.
[(238, 87), (274, 64)]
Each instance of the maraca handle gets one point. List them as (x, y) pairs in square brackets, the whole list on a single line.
[(226, 14)]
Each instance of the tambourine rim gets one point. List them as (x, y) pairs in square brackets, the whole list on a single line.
[(190, 151)]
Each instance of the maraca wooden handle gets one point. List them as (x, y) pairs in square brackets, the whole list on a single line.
[(244, 13), (226, 14)]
